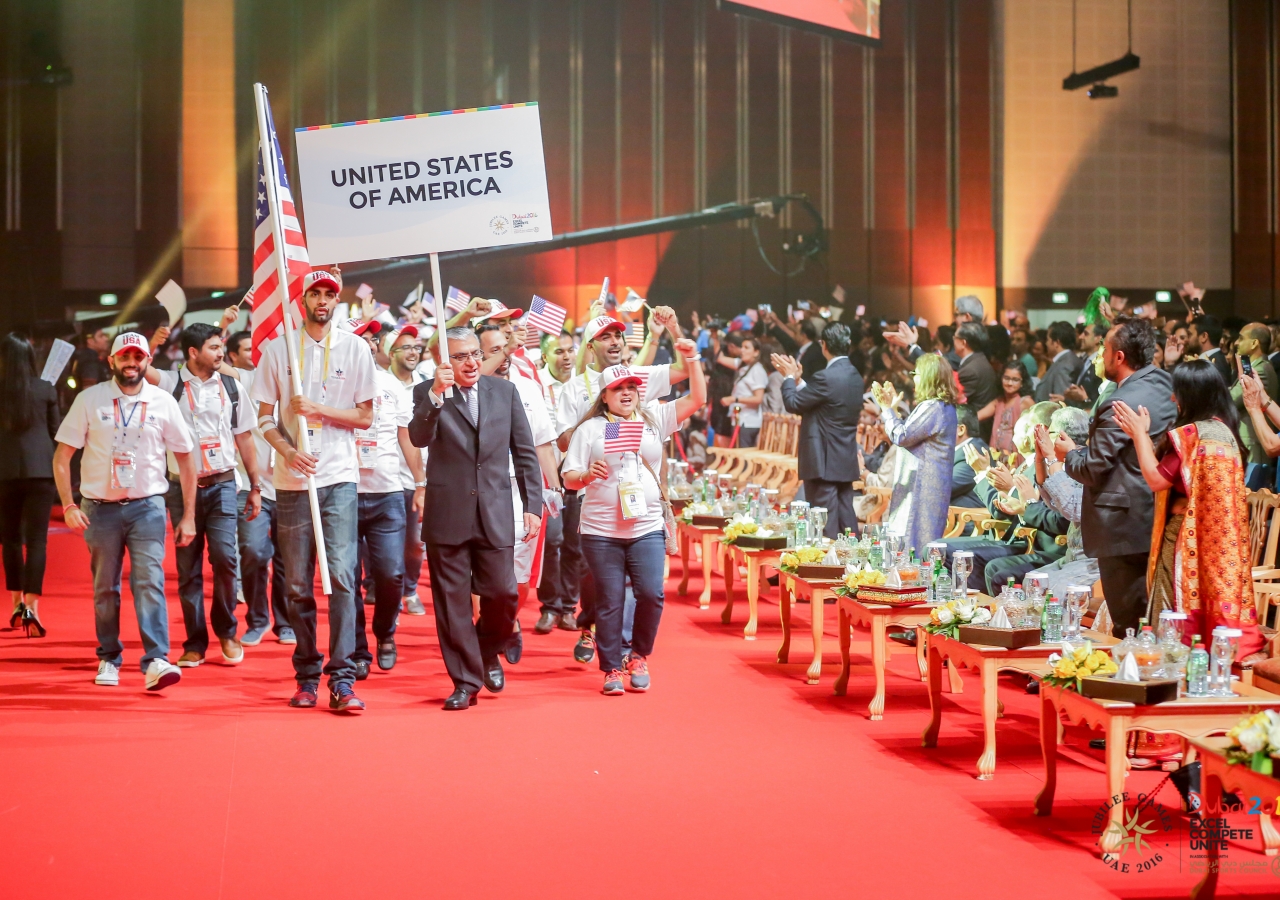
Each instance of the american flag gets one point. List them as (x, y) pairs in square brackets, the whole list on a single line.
[(635, 335), (266, 321), (545, 316), (623, 437), (643, 375), (456, 300)]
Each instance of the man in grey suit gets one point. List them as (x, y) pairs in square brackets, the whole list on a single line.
[(1065, 367), (474, 437), (829, 405), (1118, 507)]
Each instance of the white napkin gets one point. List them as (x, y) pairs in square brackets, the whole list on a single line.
[(1129, 669), (831, 559), (1001, 619)]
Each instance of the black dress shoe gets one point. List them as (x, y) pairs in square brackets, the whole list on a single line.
[(386, 655), (546, 622), (568, 622), (460, 699), (494, 680), (515, 647), (362, 669)]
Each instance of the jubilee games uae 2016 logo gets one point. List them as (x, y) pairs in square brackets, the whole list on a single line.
[(1141, 838)]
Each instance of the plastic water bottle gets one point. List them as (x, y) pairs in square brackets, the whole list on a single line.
[(1198, 670), (1220, 663), (1051, 630)]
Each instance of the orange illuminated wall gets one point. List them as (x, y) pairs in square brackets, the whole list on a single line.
[(209, 237)]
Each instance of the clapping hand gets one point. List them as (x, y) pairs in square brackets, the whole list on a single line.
[(1011, 505), (903, 336), (1001, 478), (1044, 443), (1173, 348), (978, 459), (787, 365), (1131, 422), (1025, 488), (884, 394), (1062, 446), (1075, 394)]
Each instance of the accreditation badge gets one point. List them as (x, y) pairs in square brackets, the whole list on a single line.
[(211, 451), (124, 469), (631, 495), (367, 449), (315, 437)]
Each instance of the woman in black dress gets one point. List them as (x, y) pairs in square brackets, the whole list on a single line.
[(29, 419)]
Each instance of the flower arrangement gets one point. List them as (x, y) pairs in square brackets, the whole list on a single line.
[(1068, 670), (947, 618), (1256, 741), (800, 556), (738, 527), (860, 578)]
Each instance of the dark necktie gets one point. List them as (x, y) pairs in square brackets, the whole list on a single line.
[(473, 409)]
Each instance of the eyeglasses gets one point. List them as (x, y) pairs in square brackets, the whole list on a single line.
[(477, 355), (409, 348)]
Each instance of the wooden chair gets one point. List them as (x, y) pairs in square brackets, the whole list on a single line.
[(882, 495), (960, 516)]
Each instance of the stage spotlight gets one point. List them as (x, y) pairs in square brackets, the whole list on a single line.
[(1102, 91)]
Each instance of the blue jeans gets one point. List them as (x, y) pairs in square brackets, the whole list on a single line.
[(611, 561), (262, 567), (137, 525), (381, 528), (414, 549), (297, 543), (216, 522)]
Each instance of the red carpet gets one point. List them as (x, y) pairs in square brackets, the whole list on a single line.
[(731, 778)]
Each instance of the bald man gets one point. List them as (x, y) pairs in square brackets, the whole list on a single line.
[(1253, 344)]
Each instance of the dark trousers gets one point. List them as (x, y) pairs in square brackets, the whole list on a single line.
[(457, 571), (747, 437), (25, 504), (550, 589), (217, 522), (381, 526), (836, 497), (999, 571), (985, 551), (612, 561), (1124, 586), (297, 542), (413, 548), (262, 568)]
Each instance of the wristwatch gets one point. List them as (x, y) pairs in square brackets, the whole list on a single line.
[(418, 484)]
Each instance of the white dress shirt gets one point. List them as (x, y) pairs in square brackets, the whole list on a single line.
[(104, 420)]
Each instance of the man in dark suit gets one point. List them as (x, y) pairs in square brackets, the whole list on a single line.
[(963, 478), (1065, 368), (829, 405), (1084, 393), (980, 382), (810, 353), (1117, 506), (1204, 337), (467, 523)]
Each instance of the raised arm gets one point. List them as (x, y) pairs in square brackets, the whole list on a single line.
[(693, 401)]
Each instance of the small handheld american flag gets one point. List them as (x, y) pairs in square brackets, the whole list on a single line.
[(635, 335), (546, 316), (456, 300), (623, 437)]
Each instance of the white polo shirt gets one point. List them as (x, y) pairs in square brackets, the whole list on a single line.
[(104, 419), (407, 482), (266, 455), (336, 371), (207, 409), (391, 412), (580, 390)]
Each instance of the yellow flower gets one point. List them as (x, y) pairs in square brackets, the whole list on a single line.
[(1065, 668)]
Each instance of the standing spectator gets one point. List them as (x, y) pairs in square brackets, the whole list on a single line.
[(622, 513), (922, 475), (1117, 506), (89, 364), (1252, 344), (829, 406), (977, 378), (1065, 367), (124, 427), (1020, 347), (29, 420), (1202, 524), (1204, 338), (1004, 411), (749, 383), (219, 417), (773, 387)]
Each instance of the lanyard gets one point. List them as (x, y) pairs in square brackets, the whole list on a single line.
[(302, 356), (122, 422), (191, 399)]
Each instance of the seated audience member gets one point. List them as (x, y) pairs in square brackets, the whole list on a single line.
[(963, 477), (1061, 494)]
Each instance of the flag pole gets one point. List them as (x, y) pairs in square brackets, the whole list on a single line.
[(441, 321), (266, 148)]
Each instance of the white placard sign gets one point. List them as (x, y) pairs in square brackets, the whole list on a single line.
[(424, 184), (59, 354)]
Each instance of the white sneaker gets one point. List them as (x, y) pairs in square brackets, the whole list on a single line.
[(107, 674), (161, 673)]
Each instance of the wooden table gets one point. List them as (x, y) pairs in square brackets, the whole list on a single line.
[(988, 662), (1188, 717), (791, 589), (877, 617), (709, 538), (1216, 776), (755, 560)]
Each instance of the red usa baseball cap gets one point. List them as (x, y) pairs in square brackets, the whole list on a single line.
[(599, 325), (322, 277), (373, 326), (499, 310), (616, 375), (131, 340)]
